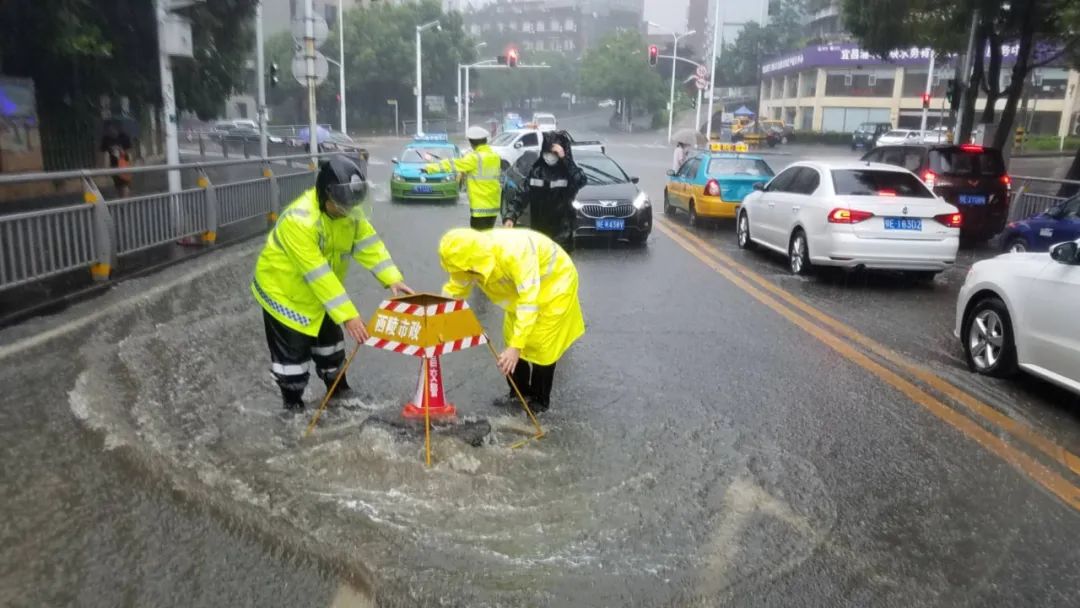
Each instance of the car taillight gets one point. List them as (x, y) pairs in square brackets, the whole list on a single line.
[(952, 220), (848, 216), (886, 192), (971, 148), (1005, 179), (712, 188), (928, 178)]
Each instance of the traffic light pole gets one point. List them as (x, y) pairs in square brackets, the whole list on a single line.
[(260, 69), (489, 64), (926, 102)]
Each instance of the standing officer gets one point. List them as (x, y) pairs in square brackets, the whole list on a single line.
[(481, 167), (548, 191), (299, 275)]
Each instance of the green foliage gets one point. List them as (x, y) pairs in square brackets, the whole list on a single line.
[(1050, 143), (79, 50), (618, 68), (500, 88), (740, 62)]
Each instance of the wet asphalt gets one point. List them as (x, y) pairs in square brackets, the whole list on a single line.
[(702, 450)]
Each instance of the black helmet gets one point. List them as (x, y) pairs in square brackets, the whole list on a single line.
[(341, 180)]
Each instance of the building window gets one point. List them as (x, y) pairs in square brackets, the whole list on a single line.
[(475, 28), (527, 27), (864, 83), (555, 25), (500, 25), (568, 45), (513, 26), (528, 45), (540, 26), (570, 26)]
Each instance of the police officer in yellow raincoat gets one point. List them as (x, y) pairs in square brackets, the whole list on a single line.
[(482, 168), (535, 282), (299, 279)]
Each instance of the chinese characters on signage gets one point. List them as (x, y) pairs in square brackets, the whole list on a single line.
[(392, 326)]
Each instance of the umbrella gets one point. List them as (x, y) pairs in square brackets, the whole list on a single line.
[(743, 111), (689, 137), (321, 135)]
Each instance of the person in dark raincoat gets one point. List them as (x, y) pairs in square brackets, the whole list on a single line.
[(548, 191)]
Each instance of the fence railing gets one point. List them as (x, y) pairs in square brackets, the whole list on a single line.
[(39, 244), (1033, 195)]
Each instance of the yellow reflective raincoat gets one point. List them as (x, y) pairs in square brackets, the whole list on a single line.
[(526, 274), (299, 274), (482, 168)]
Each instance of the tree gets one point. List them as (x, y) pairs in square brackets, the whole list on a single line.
[(77, 51), (887, 24), (617, 67), (740, 62), (512, 87)]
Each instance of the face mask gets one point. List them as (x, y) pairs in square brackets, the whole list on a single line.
[(550, 158)]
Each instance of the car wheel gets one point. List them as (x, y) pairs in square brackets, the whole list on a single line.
[(695, 221), (742, 232), (989, 345), (1017, 245), (668, 209), (799, 254)]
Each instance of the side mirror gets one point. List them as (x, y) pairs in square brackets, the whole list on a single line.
[(1056, 212), (1065, 252), (634, 180), (518, 145), (671, 172), (759, 186), (394, 160)]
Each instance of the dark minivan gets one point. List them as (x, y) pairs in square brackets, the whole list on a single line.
[(866, 134), (969, 176)]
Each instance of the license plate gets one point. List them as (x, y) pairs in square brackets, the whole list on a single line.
[(903, 223), (422, 190), (972, 199), (610, 223)]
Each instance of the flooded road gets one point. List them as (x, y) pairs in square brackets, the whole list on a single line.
[(701, 451)]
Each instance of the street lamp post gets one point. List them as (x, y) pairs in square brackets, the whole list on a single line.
[(718, 26), (420, 76), (675, 59), (341, 60), (460, 67)]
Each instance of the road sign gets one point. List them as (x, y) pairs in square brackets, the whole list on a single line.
[(299, 68), (701, 72), (701, 82), (322, 30)]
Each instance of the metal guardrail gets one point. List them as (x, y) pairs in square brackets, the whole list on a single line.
[(39, 244), (1033, 195)]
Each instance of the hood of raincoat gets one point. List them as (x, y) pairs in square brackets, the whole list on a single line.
[(464, 250)]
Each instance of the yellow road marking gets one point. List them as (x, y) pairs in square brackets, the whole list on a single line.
[(1014, 427), (1050, 480)]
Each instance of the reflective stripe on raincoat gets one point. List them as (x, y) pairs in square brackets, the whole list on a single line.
[(526, 274), (300, 272), (482, 169)]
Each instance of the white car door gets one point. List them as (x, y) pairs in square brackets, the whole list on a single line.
[(765, 222), (1049, 321)]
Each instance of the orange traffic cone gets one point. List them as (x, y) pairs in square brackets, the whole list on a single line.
[(438, 408)]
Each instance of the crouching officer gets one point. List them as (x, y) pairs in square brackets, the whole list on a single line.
[(535, 281), (299, 275), (482, 168)]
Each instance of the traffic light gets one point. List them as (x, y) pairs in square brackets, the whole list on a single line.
[(925, 100), (512, 58), (654, 54), (952, 92), (273, 74)]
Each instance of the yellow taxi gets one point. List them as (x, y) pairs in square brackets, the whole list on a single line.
[(711, 184)]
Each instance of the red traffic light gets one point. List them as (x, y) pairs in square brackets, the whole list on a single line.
[(512, 58), (926, 100), (654, 54)]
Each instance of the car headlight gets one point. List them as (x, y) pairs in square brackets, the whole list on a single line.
[(641, 201), (397, 178), (576, 204)]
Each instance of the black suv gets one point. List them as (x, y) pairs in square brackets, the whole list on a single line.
[(971, 177), (865, 136)]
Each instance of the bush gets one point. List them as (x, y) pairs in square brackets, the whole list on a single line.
[(831, 138), (1050, 143)]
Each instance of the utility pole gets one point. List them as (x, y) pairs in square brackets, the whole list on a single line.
[(341, 60), (260, 69), (309, 51), (718, 25), (929, 86), (965, 76), (168, 98)]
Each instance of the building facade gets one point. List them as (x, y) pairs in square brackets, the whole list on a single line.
[(836, 87), (565, 26)]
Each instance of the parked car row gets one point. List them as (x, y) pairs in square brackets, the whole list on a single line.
[(905, 208)]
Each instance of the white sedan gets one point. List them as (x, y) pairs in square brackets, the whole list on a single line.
[(899, 137), (851, 214), (1018, 310)]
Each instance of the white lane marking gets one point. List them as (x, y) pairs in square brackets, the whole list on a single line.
[(149, 294)]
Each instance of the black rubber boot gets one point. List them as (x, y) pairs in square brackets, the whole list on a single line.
[(292, 400)]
